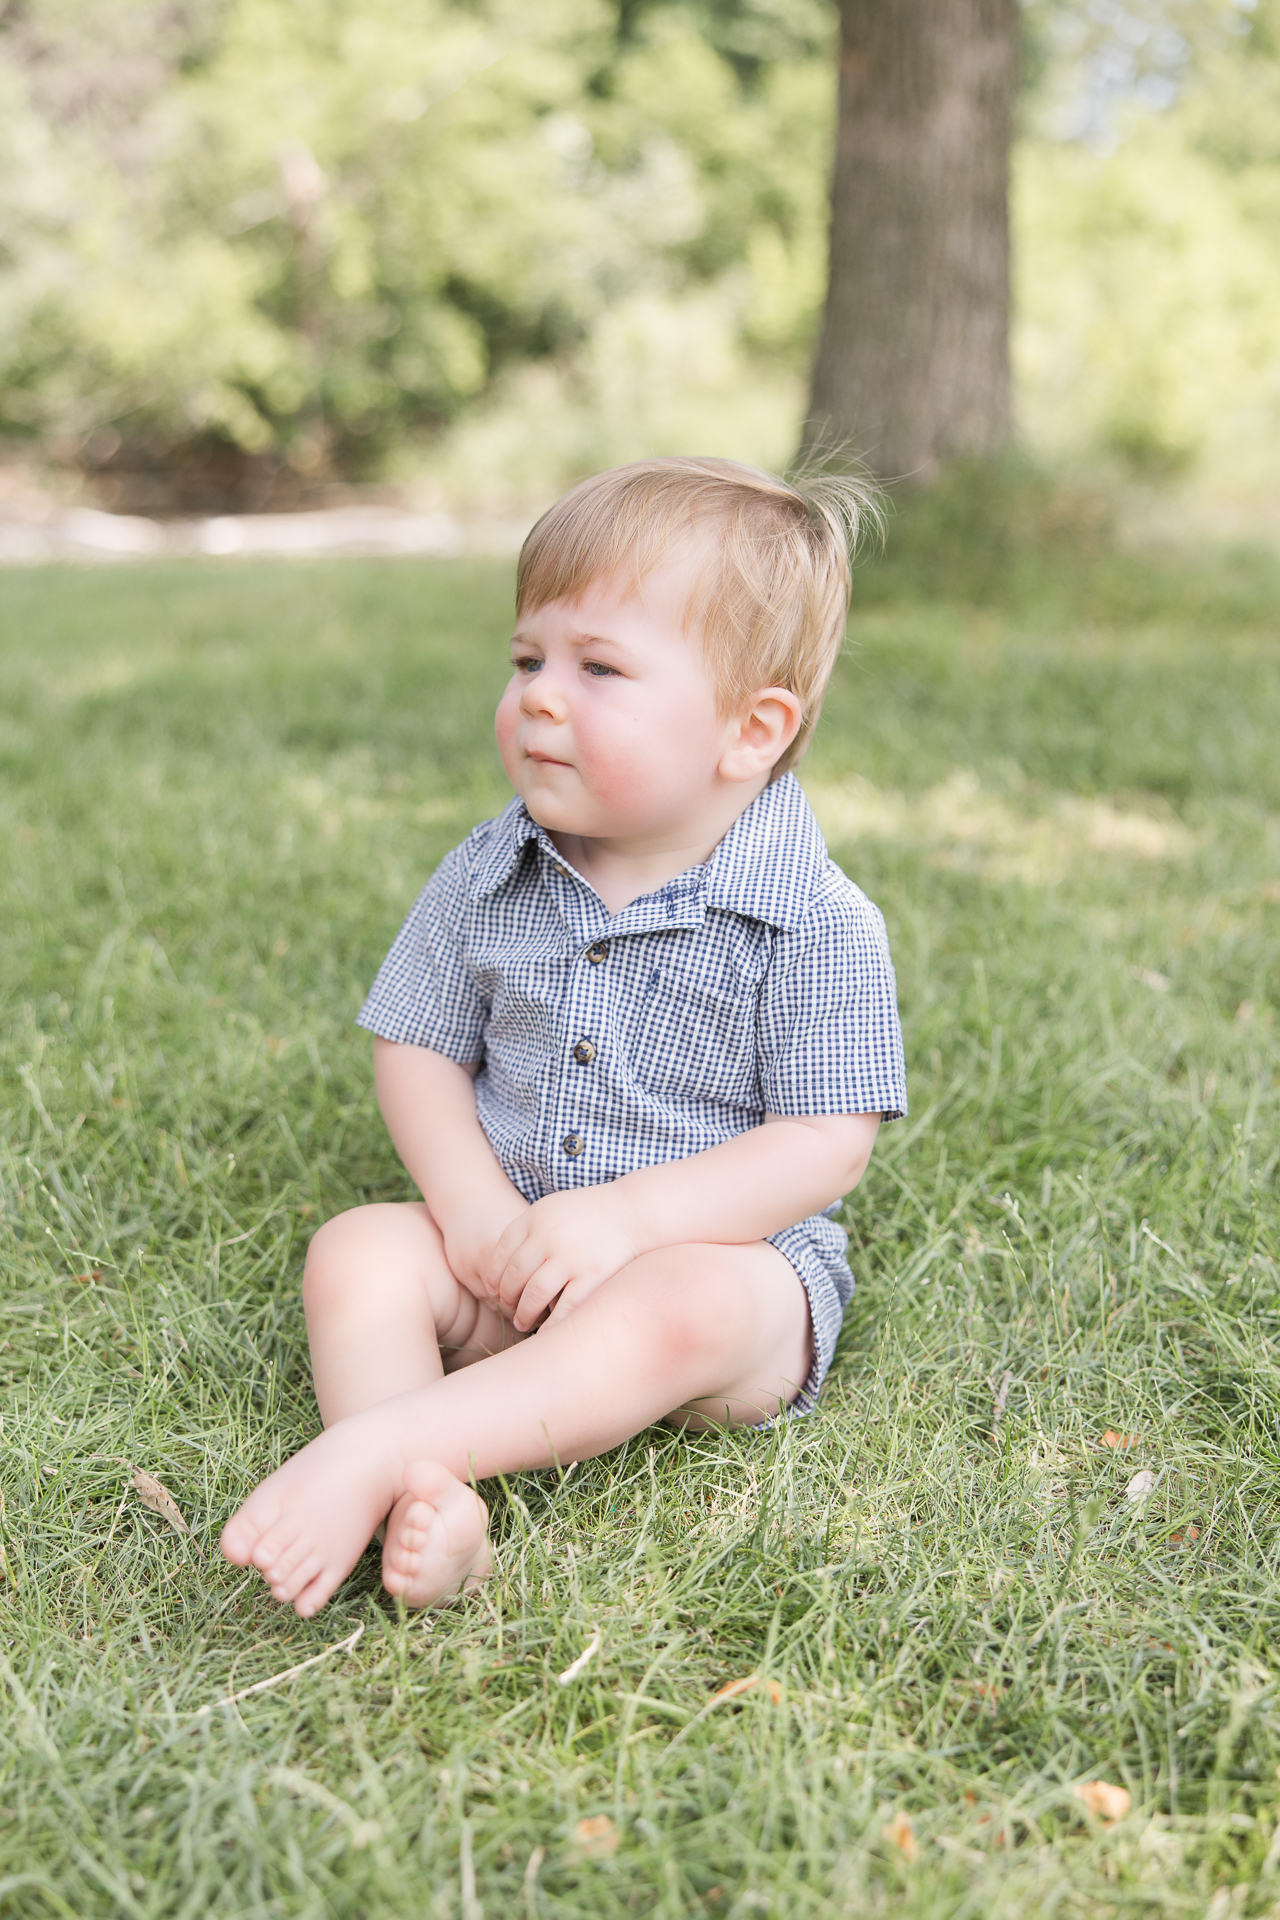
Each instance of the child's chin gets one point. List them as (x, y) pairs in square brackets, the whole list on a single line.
[(557, 812), (549, 818)]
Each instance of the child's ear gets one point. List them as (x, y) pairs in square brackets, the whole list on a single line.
[(761, 734)]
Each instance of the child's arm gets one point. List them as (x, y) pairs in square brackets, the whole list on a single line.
[(742, 1190), (428, 1102)]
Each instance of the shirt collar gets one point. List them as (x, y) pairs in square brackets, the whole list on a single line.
[(766, 867), (510, 834), (771, 860)]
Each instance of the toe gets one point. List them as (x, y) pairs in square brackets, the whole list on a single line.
[(404, 1544), (247, 1526), (299, 1579), (236, 1544), (401, 1561), (284, 1586), (288, 1561), (276, 1547), (238, 1539), (413, 1528), (314, 1594)]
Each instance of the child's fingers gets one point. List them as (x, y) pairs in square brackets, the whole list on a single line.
[(526, 1251), (505, 1248), (547, 1282), (570, 1297), (517, 1274)]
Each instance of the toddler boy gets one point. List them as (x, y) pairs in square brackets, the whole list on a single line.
[(633, 1044)]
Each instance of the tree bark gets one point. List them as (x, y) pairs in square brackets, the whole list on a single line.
[(913, 364)]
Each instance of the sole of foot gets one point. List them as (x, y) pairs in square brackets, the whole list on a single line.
[(437, 1543)]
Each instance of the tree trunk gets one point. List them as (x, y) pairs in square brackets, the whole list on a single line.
[(913, 365)]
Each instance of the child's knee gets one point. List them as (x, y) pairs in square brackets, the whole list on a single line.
[(339, 1254), (709, 1310), (322, 1275), (696, 1317)]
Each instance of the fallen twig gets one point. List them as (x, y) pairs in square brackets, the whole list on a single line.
[(588, 1652), (261, 1686)]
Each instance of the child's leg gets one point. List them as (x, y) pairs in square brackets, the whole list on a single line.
[(384, 1313), (385, 1316), (727, 1327)]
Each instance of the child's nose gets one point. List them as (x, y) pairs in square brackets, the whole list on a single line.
[(541, 694)]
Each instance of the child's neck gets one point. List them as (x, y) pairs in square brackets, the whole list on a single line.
[(625, 869), (620, 877)]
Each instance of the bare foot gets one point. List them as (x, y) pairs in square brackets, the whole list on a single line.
[(437, 1542), (306, 1526)]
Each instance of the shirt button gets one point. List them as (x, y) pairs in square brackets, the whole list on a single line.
[(598, 952), (562, 871), (573, 1144), (584, 1052)]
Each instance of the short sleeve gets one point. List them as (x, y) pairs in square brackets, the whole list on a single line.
[(830, 1039), (425, 994)]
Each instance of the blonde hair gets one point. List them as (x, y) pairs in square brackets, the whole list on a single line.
[(771, 603)]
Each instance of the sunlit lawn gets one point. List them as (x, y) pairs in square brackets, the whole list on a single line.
[(220, 786)]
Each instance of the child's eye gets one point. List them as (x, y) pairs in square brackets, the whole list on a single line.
[(599, 670), (527, 663)]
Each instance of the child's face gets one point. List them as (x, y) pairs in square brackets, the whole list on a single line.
[(610, 725)]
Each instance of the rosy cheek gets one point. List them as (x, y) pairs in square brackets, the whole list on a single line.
[(507, 719), (619, 764)]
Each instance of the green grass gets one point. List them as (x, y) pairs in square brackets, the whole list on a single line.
[(220, 787)]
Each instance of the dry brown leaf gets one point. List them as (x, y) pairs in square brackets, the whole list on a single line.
[(1176, 1539), (161, 1501), (900, 1833), (87, 1279), (746, 1684), (597, 1837), (1122, 1441), (1105, 1802), (732, 1688)]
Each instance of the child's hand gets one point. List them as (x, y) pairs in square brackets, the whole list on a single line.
[(559, 1251), (470, 1244)]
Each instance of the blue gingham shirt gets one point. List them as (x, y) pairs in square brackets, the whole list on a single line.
[(759, 982)]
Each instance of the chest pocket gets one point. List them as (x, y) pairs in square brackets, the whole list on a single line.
[(694, 1042), (522, 1030)]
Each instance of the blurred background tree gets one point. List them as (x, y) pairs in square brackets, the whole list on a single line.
[(913, 363), (250, 247)]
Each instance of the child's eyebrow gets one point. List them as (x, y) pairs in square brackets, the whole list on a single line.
[(576, 638), (595, 640)]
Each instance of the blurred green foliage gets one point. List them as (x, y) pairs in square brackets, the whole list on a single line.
[(246, 239), (306, 227), (1149, 266)]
